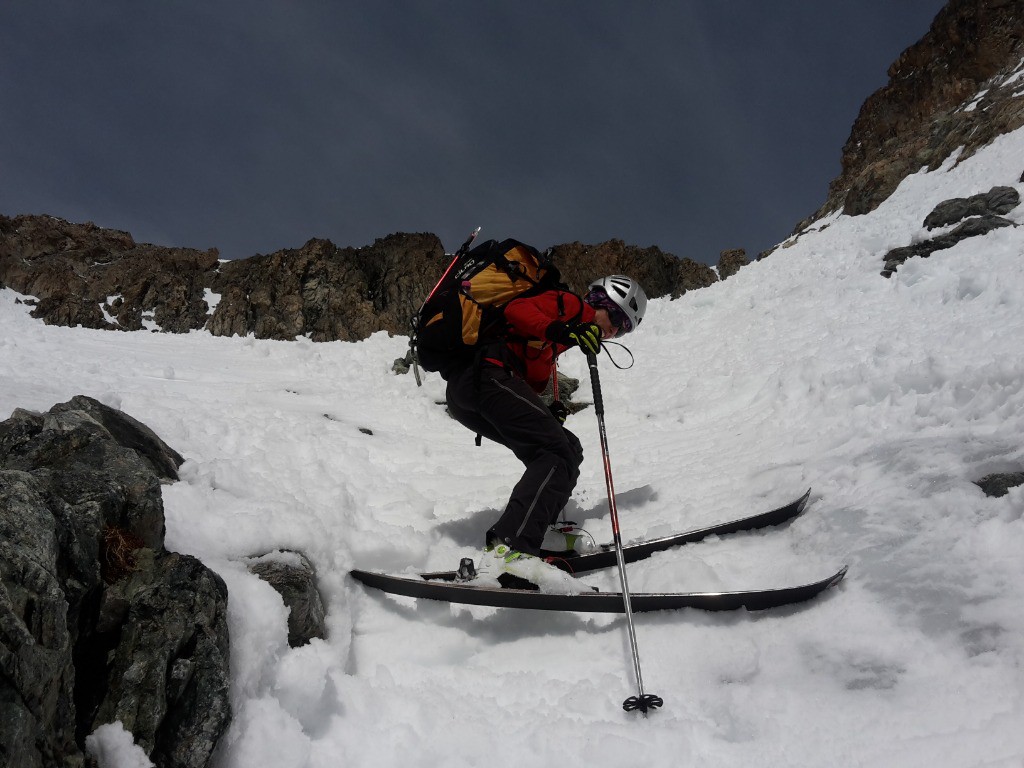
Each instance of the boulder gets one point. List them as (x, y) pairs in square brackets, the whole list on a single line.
[(999, 484), (978, 215), (162, 631), (996, 202), (37, 675), (100, 622), (294, 578)]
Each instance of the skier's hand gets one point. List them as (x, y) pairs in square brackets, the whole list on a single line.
[(559, 411), (587, 336)]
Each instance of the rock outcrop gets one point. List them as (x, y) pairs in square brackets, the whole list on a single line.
[(101, 278), (999, 484), (99, 622), (731, 262), (974, 216), (325, 292), (660, 273), (962, 85), (294, 578), (80, 274)]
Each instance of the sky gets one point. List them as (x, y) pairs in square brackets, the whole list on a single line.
[(889, 398), (251, 127)]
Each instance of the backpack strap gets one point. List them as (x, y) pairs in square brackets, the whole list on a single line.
[(561, 308)]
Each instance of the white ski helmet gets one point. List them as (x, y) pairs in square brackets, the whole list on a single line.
[(624, 294)]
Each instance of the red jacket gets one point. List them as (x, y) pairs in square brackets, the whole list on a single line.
[(534, 323)]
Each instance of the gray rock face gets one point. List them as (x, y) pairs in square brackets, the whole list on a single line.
[(167, 678), (996, 202), (1000, 484), (37, 712), (978, 215), (98, 622)]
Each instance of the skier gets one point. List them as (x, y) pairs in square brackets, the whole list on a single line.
[(496, 395)]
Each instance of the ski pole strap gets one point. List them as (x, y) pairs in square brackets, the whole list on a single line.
[(595, 383)]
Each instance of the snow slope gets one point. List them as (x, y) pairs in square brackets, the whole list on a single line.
[(888, 397)]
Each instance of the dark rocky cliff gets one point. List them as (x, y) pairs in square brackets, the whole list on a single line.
[(959, 86), (81, 274)]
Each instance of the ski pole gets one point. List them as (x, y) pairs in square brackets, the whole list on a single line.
[(415, 326), (554, 399), (642, 701)]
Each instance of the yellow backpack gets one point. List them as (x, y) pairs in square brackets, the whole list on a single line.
[(466, 307)]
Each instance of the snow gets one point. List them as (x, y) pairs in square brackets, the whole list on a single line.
[(977, 100), (212, 300), (113, 747), (808, 369), (109, 303)]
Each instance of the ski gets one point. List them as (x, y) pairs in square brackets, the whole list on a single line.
[(594, 602), (605, 556)]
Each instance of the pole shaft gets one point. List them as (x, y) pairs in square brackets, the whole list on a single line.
[(610, 486)]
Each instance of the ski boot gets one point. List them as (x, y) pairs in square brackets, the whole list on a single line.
[(568, 539)]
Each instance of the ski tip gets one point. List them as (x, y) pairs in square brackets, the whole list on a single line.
[(804, 499), (838, 577)]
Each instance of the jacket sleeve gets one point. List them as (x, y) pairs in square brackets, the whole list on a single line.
[(547, 315)]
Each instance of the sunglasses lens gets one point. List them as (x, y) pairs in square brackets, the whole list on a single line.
[(619, 320), (599, 300)]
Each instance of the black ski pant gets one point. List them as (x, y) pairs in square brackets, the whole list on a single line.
[(502, 407)]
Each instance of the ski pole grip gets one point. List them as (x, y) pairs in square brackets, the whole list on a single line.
[(595, 384)]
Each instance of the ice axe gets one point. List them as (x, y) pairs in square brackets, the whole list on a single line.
[(415, 319)]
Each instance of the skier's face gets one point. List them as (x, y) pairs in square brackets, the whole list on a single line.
[(604, 322)]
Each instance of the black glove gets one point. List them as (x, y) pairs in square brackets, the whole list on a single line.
[(559, 411), (587, 336)]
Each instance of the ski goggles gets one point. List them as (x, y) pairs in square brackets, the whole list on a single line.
[(598, 299)]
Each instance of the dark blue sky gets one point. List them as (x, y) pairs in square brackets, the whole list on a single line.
[(254, 126)]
